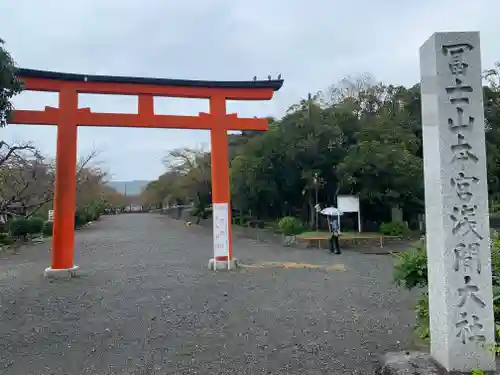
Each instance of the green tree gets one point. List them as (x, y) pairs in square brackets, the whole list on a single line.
[(359, 137), (492, 127), (382, 166), (10, 85)]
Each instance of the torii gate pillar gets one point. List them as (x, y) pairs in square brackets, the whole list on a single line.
[(65, 186), (221, 197)]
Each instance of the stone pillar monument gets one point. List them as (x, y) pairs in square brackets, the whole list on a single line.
[(456, 203)]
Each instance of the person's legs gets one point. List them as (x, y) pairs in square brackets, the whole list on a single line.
[(337, 246), (331, 240)]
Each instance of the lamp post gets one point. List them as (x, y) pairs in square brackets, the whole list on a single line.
[(316, 188)]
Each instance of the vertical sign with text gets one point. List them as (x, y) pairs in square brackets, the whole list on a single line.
[(221, 229), (456, 197)]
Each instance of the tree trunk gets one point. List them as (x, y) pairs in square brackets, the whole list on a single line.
[(312, 212)]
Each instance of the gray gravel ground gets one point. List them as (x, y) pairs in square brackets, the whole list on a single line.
[(146, 304)]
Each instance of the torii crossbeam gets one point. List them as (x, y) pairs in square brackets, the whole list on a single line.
[(67, 117)]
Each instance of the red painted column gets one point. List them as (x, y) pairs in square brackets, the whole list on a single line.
[(220, 174), (63, 242)]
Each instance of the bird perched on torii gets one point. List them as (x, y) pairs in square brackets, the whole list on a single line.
[(268, 77)]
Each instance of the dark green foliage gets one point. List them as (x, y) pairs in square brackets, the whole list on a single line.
[(5, 239), (494, 207), (10, 85), (290, 226), (81, 218), (410, 271), (422, 310), (48, 228), (261, 224), (94, 216), (19, 228), (95, 210), (35, 225), (411, 268), (39, 215), (360, 144), (88, 213), (242, 220), (22, 227), (495, 258), (361, 137), (394, 228)]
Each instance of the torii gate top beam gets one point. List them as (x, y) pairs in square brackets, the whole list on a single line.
[(146, 89), (40, 80)]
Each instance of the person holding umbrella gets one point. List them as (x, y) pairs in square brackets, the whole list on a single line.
[(334, 239), (333, 226)]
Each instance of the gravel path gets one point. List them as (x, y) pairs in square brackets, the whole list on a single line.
[(146, 304)]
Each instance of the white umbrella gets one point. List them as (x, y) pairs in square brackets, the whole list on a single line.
[(331, 211)]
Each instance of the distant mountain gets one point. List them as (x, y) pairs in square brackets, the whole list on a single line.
[(129, 187)]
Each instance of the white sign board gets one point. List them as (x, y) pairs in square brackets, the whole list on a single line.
[(51, 215), (348, 203), (220, 214)]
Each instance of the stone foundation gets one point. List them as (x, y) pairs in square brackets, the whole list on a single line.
[(65, 273), (222, 265), (414, 363)]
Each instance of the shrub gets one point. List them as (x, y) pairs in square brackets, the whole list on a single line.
[(242, 220), (290, 226), (48, 228), (495, 207), (257, 224), (19, 227), (5, 239), (394, 228), (40, 215), (495, 257), (411, 271), (81, 218), (422, 310), (35, 225), (92, 216)]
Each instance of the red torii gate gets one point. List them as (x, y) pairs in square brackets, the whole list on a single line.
[(67, 117)]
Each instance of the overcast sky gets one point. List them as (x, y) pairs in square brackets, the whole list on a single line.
[(313, 43)]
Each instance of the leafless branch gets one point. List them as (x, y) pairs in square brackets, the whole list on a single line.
[(27, 178), (12, 150)]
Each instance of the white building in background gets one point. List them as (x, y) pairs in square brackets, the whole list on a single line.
[(133, 208)]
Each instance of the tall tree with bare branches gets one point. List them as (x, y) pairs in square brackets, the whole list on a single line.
[(27, 180)]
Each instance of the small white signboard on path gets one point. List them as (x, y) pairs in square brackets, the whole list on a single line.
[(349, 203), (221, 230)]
